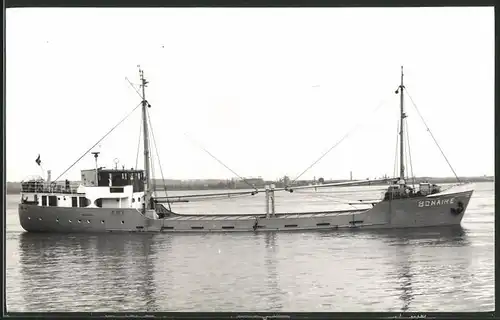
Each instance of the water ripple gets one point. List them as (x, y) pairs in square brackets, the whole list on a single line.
[(439, 269)]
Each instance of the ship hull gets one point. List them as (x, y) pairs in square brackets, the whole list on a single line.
[(438, 210)]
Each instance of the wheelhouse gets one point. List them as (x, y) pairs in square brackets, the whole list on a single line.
[(114, 178)]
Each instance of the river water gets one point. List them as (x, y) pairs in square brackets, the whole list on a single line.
[(437, 269)]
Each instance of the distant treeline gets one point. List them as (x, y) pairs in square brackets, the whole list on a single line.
[(178, 185)]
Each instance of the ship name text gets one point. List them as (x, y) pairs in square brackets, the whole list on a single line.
[(432, 203)]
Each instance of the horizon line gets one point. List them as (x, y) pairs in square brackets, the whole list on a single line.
[(344, 179)]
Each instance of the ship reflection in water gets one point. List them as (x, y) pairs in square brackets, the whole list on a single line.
[(87, 272), (395, 270)]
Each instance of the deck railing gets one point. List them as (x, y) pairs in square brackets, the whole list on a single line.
[(52, 187)]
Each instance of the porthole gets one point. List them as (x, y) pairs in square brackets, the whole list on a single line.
[(69, 221), (79, 221), (57, 220), (58, 198), (39, 219), (88, 221), (29, 218), (102, 221), (133, 200), (123, 222)]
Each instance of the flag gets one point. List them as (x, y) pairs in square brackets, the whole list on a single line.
[(38, 161)]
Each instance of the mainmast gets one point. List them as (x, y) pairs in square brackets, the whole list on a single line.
[(401, 132), (147, 178)]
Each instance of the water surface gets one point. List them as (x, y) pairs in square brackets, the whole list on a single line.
[(435, 269)]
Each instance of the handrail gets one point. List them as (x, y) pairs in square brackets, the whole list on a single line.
[(49, 187)]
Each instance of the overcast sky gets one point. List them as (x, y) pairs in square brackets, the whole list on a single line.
[(267, 91)]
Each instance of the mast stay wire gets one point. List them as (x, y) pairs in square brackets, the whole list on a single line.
[(407, 172), (138, 146), (330, 198), (135, 89), (158, 157), (337, 143), (396, 153), (409, 154), (432, 136), (112, 129), (153, 182), (211, 155)]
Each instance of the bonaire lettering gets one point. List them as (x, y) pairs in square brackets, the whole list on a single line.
[(432, 203)]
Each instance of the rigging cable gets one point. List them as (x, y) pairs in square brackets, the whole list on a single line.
[(331, 199), (409, 154), (396, 153), (138, 146), (407, 172), (199, 145), (136, 90), (83, 155), (153, 181), (205, 198), (336, 144), (150, 159), (429, 130), (159, 162)]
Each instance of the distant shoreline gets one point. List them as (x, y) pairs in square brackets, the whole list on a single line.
[(15, 187)]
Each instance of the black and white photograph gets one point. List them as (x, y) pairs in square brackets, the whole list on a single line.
[(250, 159)]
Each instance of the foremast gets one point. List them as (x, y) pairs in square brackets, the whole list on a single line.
[(147, 170), (401, 132)]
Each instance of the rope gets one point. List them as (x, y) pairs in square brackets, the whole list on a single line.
[(158, 157), (199, 145), (336, 144), (83, 155), (429, 130)]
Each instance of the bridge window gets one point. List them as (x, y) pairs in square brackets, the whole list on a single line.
[(119, 179), (102, 179), (116, 190)]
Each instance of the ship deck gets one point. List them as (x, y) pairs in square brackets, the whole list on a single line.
[(223, 217)]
